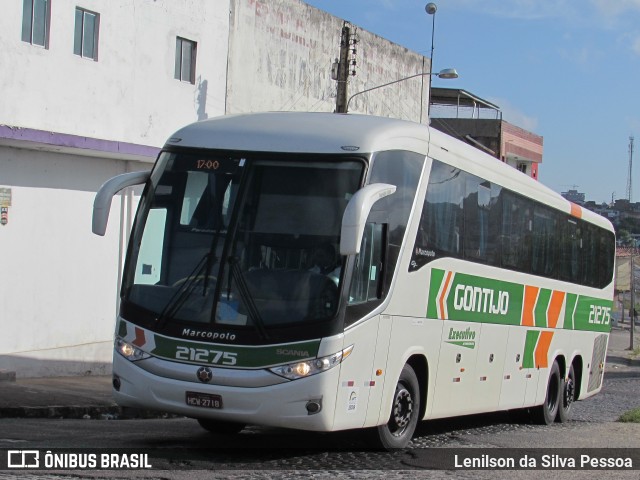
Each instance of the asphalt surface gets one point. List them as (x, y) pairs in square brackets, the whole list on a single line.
[(90, 396)]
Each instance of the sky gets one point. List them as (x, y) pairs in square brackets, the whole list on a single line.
[(568, 70)]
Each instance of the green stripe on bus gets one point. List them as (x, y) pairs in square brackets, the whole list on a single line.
[(223, 355), (437, 276), (529, 348), (477, 299), (593, 314), (542, 305), (570, 306), (484, 300), (122, 328)]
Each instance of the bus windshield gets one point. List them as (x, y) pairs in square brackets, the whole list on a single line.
[(240, 242)]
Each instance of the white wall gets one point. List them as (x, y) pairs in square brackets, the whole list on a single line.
[(129, 94), (58, 282), (58, 294), (280, 57)]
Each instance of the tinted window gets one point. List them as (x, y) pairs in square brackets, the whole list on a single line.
[(467, 217)]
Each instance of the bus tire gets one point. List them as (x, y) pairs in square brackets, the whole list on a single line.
[(567, 396), (405, 408), (546, 413), (220, 427)]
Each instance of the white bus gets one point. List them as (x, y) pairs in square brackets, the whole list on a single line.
[(328, 272)]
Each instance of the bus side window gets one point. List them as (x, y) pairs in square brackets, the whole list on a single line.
[(366, 281)]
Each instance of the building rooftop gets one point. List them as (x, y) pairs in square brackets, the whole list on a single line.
[(461, 98)]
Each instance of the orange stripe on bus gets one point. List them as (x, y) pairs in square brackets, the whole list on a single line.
[(140, 339), (530, 297), (444, 294), (555, 305), (542, 349), (576, 210)]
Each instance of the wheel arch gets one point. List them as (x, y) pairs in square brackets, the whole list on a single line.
[(420, 366), (578, 368), (562, 364)]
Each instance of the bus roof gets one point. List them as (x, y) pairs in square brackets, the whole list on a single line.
[(298, 132), (331, 133)]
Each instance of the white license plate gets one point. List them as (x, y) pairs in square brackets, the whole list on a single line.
[(203, 400)]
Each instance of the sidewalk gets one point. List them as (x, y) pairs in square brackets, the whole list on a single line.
[(90, 396)]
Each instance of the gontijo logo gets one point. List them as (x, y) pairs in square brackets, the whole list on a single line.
[(463, 297), (481, 300)]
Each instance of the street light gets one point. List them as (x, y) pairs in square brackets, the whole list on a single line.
[(447, 73)]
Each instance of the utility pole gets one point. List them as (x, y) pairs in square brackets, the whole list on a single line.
[(343, 70), (629, 182), (632, 310)]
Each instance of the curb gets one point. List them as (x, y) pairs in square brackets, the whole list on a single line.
[(95, 412), (7, 376)]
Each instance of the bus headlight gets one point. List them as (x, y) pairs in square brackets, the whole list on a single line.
[(128, 351), (296, 370)]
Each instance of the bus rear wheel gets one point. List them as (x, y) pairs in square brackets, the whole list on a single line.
[(397, 432), (221, 427), (546, 413)]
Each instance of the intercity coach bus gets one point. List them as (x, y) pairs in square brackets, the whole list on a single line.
[(328, 272)]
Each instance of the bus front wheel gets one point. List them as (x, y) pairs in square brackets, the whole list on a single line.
[(546, 413), (405, 408)]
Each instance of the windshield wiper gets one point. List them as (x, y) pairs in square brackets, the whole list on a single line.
[(184, 291), (245, 293)]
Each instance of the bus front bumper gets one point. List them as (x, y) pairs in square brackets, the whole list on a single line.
[(282, 405)]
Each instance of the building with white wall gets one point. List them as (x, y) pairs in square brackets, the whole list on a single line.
[(281, 53), (91, 89)]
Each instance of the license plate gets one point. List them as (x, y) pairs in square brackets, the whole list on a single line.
[(203, 400)]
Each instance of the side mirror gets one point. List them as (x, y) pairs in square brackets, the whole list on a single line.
[(356, 213), (102, 202)]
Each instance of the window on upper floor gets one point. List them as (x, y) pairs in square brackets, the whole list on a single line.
[(86, 34), (185, 60), (36, 16)]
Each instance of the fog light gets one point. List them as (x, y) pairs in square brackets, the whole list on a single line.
[(314, 406), (116, 383)]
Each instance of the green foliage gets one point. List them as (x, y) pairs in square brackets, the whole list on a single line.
[(628, 225), (632, 416), (624, 236)]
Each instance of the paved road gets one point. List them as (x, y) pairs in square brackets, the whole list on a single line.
[(276, 453)]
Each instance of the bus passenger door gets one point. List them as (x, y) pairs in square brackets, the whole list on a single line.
[(357, 373)]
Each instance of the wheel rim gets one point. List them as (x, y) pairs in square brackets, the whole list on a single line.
[(402, 411), (569, 392)]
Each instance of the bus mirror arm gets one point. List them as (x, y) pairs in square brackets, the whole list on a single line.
[(356, 213), (102, 202)]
